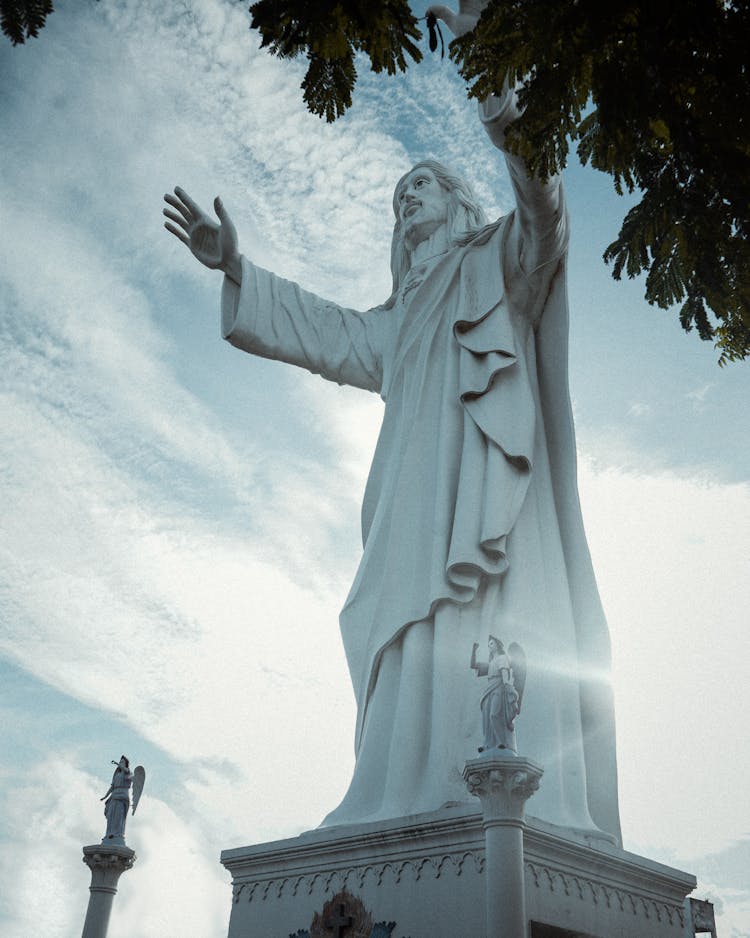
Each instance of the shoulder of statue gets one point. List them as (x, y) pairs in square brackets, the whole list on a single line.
[(485, 235)]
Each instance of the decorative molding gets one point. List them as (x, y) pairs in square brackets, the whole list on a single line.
[(355, 877), (585, 889), (108, 862), (503, 782), (541, 876)]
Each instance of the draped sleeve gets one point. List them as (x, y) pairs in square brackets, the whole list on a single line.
[(540, 219), (275, 318)]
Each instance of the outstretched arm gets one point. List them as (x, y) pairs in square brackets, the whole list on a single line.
[(540, 208), (267, 316), (277, 319)]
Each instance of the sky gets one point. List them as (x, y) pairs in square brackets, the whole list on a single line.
[(180, 522)]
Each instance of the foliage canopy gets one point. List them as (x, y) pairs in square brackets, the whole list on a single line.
[(657, 94), (22, 19)]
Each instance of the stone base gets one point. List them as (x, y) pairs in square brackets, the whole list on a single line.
[(426, 874)]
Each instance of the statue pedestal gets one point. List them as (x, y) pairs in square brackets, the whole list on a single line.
[(429, 875), (107, 863)]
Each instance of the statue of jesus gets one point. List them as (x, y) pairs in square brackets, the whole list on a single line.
[(471, 521)]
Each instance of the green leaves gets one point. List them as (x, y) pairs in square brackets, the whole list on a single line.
[(327, 86), (22, 19), (655, 94), (666, 86), (330, 33)]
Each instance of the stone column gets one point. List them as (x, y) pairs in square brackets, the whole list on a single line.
[(503, 782), (107, 863)]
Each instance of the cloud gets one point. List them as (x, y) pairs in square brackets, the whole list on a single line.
[(699, 394), (671, 560), (181, 522), (640, 409), (173, 889)]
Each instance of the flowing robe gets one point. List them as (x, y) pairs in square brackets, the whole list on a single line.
[(117, 804), (499, 704), (470, 521)]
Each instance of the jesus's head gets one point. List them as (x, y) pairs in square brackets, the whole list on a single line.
[(428, 196)]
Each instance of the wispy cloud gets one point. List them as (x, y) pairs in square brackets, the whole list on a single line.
[(58, 806), (180, 522), (640, 409)]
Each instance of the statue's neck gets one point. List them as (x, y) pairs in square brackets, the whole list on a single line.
[(436, 243)]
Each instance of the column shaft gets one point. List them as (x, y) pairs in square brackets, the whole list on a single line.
[(98, 912), (107, 863), (503, 782), (506, 894)]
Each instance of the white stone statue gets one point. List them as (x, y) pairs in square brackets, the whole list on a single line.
[(501, 700), (117, 799), (471, 519)]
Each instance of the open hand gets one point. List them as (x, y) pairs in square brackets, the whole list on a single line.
[(215, 245), (462, 22)]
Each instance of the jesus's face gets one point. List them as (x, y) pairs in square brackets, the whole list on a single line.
[(422, 205)]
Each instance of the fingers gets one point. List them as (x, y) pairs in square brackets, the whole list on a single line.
[(445, 14), (177, 233), (195, 209), (223, 215), (186, 216), (181, 207), (189, 209), (178, 219)]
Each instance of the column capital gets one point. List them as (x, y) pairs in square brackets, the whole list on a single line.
[(107, 864), (503, 782)]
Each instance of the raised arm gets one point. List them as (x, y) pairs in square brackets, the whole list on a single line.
[(481, 667), (540, 207)]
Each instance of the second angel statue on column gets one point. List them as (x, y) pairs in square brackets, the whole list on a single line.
[(501, 701)]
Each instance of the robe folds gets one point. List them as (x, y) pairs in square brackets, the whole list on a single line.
[(471, 526)]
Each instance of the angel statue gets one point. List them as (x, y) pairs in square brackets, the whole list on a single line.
[(117, 798), (501, 701)]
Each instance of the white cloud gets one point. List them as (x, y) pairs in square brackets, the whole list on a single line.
[(640, 409), (699, 394), (671, 558), (175, 887), (699, 397), (181, 525), (731, 908)]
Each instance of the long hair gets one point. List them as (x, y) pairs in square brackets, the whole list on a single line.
[(465, 218)]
